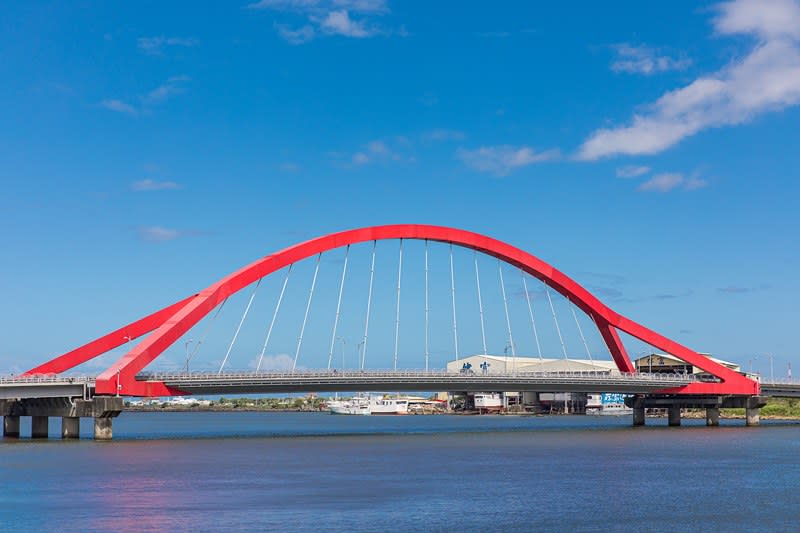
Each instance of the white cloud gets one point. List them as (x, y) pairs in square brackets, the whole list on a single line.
[(279, 362), (632, 171), (155, 45), (360, 158), (299, 36), (340, 23), (329, 17), (158, 234), (171, 87), (119, 106), (153, 185), (501, 160), (393, 149), (767, 79), (645, 60), (669, 181)]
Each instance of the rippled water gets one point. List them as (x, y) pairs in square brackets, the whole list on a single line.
[(313, 471)]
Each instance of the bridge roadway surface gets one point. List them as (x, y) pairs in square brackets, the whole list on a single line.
[(373, 380)]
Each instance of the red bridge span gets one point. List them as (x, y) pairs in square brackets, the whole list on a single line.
[(165, 326)]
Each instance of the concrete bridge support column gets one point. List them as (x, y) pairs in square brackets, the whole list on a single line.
[(638, 411), (11, 426), (674, 415), (752, 411), (638, 416), (70, 427), (39, 427), (102, 428), (712, 416)]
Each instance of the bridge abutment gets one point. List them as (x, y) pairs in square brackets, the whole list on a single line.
[(103, 409), (70, 427), (674, 415), (103, 428), (11, 426)]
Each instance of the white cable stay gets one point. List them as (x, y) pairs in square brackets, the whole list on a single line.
[(305, 316), (338, 307), (480, 304), (453, 295), (555, 319), (530, 313), (369, 306), (274, 316), (508, 318), (239, 328), (397, 314)]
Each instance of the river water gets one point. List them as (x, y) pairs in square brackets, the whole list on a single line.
[(315, 472)]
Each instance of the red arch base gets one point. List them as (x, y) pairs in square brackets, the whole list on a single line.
[(170, 323)]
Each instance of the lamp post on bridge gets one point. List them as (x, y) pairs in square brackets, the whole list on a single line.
[(186, 348), (343, 343), (771, 367)]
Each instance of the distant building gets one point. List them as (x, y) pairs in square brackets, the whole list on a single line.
[(662, 363)]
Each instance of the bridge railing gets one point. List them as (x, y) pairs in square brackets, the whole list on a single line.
[(415, 374), (46, 379)]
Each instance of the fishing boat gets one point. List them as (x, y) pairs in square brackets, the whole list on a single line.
[(488, 402), (358, 405), (374, 405)]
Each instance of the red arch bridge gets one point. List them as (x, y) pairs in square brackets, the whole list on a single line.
[(50, 390)]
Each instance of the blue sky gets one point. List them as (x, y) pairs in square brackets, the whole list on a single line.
[(649, 151)]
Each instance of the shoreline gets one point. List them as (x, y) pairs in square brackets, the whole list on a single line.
[(253, 409)]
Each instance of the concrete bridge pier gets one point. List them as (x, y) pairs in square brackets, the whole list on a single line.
[(638, 411), (11, 427), (103, 428), (712, 416), (752, 411), (39, 427), (674, 415), (70, 427)]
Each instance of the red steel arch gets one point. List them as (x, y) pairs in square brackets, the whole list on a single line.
[(170, 323)]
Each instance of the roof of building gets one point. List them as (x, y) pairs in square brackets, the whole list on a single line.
[(670, 357)]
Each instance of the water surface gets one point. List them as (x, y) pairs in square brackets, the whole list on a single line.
[(313, 471)]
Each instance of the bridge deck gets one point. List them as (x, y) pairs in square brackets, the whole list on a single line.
[(346, 381), (343, 381)]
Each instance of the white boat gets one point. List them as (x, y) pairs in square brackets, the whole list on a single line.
[(379, 405), (488, 401), (375, 405), (607, 404), (358, 405)]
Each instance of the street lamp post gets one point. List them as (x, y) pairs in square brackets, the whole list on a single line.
[(186, 348), (771, 367), (358, 354), (343, 343)]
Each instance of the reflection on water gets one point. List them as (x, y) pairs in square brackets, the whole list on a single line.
[(299, 471)]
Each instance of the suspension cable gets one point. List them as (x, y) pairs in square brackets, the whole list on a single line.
[(508, 318), (369, 305), (338, 307), (558, 329), (397, 315), (305, 316), (427, 330), (580, 330), (239, 328), (480, 304), (530, 312), (274, 316), (453, 296), (205, 334)]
